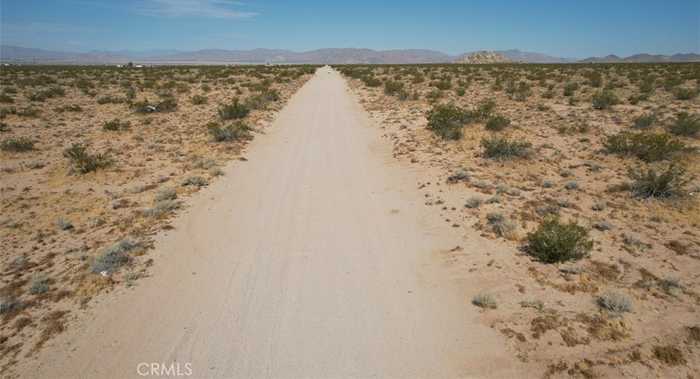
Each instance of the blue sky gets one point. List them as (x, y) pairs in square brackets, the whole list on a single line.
[(564, 28)]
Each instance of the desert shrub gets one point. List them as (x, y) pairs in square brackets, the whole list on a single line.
[(604, 99), (167, 105), (446, 121), (110, 100), (497, 122), (233, 111), (485, 301), (5, 98), (19, 144), (162, 207), (234, 132), (554, 241), (670, 355), (649, 147), (392, 87), (685, 125), (614, 302), (199, 99), (4, 127), (371, 81), (644, 121), (682, 93), (654, 183), (116, 125), (196, 181), (483, 110), (82, 161), (570, 88), (460, 91), (166, 194), (39, 285), (502, 148), (501, 225), (113, 257)]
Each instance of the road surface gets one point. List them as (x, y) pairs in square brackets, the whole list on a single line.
[(316, 258)]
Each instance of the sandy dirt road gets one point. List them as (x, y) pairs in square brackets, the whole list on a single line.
[(316, 258)]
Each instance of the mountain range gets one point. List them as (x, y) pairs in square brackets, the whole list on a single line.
[(16, 54)]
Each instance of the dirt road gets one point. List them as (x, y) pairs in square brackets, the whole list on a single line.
[(316, 258)]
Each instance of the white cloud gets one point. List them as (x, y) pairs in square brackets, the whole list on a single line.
[(197, 8)]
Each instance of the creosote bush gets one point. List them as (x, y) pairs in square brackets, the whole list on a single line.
[(446, 121), (116, 125), (649, 147), (501, 148), (644, 121), (686, 125), (82, 161), (655, 183), (233, 111), (17, 145), (234, 132), (604, 99), (497, 123), (554, 241)]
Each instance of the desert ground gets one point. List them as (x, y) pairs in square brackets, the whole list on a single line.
[(358, 221), (76, 222), (599, 161)]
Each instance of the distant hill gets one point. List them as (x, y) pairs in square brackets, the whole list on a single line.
[(15, 54), (482, 57), (644, 58)]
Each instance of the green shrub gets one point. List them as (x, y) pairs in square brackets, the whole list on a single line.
[(446, 121), (501, 148), (5, 98), (570, 88), (555, 242), (604, 99), (17, 145), (233, 111), (199, 99), (653, 183), (116, 125), (644, 121), (371, 81), (649, 147), (497, 122), (234, 132), (167, 105), (686, 125), (460, 91), (82, 161), (682, 93), (392, 88)]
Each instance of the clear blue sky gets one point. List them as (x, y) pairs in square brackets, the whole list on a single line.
[(568, 28)]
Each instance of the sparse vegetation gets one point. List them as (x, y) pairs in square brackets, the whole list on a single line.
[(649, 147), (502, 148), (446, 121), (17, 145), (83, 161), (655, 183), (233, 132), (554, 241)]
